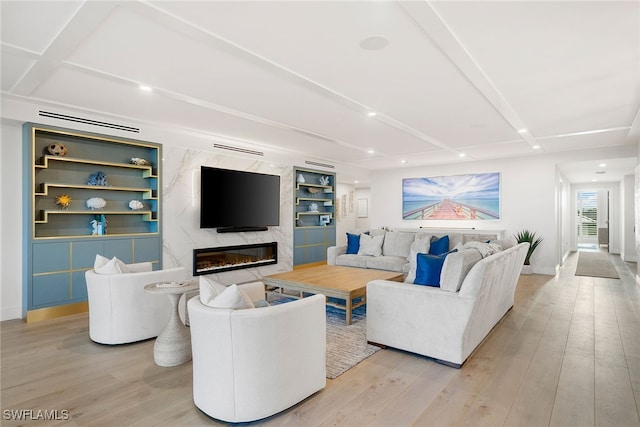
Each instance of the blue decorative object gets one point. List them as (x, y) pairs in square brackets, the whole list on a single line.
[(98, 178), (439, 246), (429, 268)]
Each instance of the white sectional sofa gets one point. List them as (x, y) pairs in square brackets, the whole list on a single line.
[(448, 322), (396, 246)]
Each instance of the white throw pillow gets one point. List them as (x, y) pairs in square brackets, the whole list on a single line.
[(209, 290), (103, 265), (370, 245), (419, 246), (232, 297), (485, 249), (456, 267)]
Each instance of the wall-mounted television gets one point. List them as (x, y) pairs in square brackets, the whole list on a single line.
[(233, 200)]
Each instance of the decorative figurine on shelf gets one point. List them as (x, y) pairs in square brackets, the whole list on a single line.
[(324, 180), (63, 201), (138, 161), (98, 178), (98, 225), (300, 179), (57, 149), (313, 207), (135, 205), (96, 203)]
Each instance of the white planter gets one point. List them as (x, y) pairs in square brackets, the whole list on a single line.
[(527, 269)]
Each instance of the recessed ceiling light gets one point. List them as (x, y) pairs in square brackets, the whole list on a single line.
[(522, 131), (374, 43), (371, 113), (594, 180), (355, 182), (370, 151), (602, 165), (536, 147), (461, 155), (403, 161), (145, 88)]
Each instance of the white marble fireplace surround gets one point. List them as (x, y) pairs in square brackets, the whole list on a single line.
[(181, 213)]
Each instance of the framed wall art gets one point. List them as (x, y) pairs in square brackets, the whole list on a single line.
[(459, 197)]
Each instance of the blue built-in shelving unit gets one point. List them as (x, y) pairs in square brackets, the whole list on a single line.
[(314, 228), (58, 244)]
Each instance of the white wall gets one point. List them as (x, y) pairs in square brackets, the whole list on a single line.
[(628, 251), (11, 221)]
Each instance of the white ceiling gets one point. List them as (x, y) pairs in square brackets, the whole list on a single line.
[(454, 77)]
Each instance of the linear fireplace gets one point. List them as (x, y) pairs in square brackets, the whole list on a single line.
[(225, 258)]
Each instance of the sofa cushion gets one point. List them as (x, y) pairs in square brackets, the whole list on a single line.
[(429, 268), (353, 243), (348, 260), (420, 245), (370, 245), (389, 263), (397, 243), (439, 245), (455, 269)]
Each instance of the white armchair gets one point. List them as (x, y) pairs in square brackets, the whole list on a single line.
[(252, 363), (120, 311)]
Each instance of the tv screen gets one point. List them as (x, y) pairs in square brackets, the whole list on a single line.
[(238, 200)]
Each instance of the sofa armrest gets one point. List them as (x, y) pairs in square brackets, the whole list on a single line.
[(333, 252), (420, 319)]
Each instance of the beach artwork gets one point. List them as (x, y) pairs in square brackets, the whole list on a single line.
[(467, 197)]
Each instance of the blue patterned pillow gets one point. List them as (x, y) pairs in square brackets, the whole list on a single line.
[(439, 246), (429, 268)]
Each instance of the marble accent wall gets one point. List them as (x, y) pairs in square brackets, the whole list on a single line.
[(181, 213)]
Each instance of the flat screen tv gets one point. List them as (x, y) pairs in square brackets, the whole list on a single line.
[(234, 200)]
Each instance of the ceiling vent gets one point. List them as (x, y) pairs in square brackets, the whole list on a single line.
[(238, 149), (87, 121), (324, 165)]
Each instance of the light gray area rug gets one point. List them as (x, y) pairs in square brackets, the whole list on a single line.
[(346, 344), (596, 264)]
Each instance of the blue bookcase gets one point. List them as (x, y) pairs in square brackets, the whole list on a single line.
[(314, 216), (60, 241)]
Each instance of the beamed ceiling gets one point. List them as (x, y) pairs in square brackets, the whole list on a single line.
[(448, 81)]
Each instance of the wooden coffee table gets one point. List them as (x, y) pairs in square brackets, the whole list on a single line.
[(344, 283)]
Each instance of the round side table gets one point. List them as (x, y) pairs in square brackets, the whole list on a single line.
[(173, 345)]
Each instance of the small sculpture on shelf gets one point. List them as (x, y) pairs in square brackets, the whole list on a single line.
[(96, 203), (63, 201), (138, 161), (324, 180), (313, 207), (300, 179), (98, 225), (98, 179), (57, 149), (136, 205)]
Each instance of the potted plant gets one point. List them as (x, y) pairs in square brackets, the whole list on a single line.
[(529, 237)]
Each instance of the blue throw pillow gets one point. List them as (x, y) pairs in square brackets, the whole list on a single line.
[(353, 243), (429, 267), (439, 246)]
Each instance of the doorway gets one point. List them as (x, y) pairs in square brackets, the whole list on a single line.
[(593, 220)]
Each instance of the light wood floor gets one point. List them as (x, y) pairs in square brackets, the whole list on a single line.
[(567, 354)]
